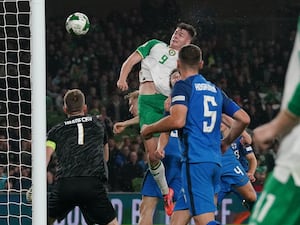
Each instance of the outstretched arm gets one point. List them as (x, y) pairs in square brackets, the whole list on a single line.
[(264, 136), (252, 163), (127, 66), (239, 123), (162, 142), (119, 127)]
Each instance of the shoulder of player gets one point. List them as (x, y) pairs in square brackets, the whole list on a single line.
[(156, 41), (76, 120), (56, 127), (152, 43), (199, 82)]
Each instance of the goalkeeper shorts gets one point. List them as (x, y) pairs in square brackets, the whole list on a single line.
[(88, 193)]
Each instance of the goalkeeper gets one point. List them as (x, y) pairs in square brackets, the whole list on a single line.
[(79, 144)]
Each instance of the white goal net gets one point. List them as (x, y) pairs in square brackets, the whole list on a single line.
[(15, 112)]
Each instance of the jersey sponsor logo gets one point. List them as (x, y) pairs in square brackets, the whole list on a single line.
[(205, 87), (79, 120), (178, 98)]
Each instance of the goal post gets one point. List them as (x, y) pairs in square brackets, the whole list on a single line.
[(22, 112), (38, 82)]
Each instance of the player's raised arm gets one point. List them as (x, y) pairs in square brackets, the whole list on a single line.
[(119, 127), (127, 66)]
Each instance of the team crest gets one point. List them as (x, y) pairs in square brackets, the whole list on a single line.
[(172, 52)]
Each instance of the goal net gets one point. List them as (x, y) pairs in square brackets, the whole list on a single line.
[(15, 111)]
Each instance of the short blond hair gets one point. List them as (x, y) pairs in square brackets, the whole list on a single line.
[(74, 100), (132, 95)]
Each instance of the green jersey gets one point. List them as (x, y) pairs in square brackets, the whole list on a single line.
[(158, 62)]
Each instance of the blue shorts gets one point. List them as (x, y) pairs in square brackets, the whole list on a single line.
[(232, 176), (201, 181), (173, 175)]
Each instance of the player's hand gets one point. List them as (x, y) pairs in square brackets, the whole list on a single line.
[(167, 104), (119, 127), (251, 177), (263, 137), (29, 195), (246, 139), (122, 85), (159, 154), (145, 132)]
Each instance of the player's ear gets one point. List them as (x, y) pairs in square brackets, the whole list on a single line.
[(85, 109), (201, 63), (178, 64), (65, 109)]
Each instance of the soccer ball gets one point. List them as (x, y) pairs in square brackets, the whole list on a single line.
[(77, 23)]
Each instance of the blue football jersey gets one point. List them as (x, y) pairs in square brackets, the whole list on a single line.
[(201, 135)]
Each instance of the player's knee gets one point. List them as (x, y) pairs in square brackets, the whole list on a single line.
[(153, 159)]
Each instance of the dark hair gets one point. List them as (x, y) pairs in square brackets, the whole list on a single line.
[(74, 100), (189, 28), (172, 72), (190, 55)]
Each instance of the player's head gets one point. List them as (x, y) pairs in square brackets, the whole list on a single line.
[(183, 35), (189, 59), (133, 102), (74, 102), (174, 77)]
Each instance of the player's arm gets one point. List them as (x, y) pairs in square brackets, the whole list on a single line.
[(240, 121), (252, 165), (50, 148), (246, 137), (119, 127), (265, 135), (106, 152), (162, 142), (127, 66), (174, 121)]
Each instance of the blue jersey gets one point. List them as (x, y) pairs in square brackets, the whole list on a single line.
[(233, 174), (201, 135), (240, 151), (229, 156)]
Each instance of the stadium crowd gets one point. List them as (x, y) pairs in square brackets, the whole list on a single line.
[(250, 70)]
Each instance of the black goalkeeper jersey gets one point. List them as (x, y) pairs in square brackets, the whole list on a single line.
[(79, 147)]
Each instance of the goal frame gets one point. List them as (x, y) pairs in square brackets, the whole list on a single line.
[(38, 107)]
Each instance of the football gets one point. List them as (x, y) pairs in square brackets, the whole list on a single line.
[(77, 23)]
